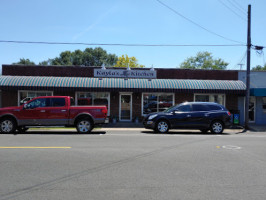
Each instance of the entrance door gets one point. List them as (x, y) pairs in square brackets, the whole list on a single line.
[(252, 108), (125, 113)]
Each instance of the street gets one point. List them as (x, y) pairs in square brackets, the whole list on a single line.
[(119, 164)]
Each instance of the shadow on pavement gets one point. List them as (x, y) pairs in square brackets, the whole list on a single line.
[(185, 133), (58, 133)]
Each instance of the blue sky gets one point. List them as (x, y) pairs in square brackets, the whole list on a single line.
[(131, 22)]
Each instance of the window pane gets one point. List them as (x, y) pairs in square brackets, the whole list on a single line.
[(37, 103), (214, 107), (202, 98), (93, 98), (28, 95), (156, 102), (184, 108), (217, 98), (84, 98), (149, 103), (200, 108), (165, 101), (57, 102)]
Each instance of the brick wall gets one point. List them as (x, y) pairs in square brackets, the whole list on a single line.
[(183, 97), (9, 98), (78, 71)]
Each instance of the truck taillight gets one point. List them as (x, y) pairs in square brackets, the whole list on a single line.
[(104, 111), (228, 113)]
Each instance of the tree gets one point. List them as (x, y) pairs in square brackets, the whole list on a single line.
[(23, 61), (88, 57), (259, 68), (125, 61), (203, 60)]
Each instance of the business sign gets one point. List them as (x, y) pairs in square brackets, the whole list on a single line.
[(124, 73)]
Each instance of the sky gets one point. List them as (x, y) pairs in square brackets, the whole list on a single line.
[(145, 22)]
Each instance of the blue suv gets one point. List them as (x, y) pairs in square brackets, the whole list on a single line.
[(204, 116)]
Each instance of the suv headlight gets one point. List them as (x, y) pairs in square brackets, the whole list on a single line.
[(152, 116)]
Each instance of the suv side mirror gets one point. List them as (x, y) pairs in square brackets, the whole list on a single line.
[(25, 106), (175, 112)]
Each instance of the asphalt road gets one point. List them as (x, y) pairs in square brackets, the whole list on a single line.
[(119, 164)]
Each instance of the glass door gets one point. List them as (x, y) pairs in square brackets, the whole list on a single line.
[(252, 108), (125, 113)]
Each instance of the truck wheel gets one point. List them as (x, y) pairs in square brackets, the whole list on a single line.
[(162, 126), (7, 125), (84, 126)]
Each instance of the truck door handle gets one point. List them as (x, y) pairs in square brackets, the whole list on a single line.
[(63, 110), (188, 115), (42, 111)]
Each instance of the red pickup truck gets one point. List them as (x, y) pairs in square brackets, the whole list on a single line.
[(51, 111)]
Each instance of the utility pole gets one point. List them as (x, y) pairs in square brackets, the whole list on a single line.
[(248, 69)]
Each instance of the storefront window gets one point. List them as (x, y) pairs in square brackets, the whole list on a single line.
[(217, 98), (93, 98), (25, 96), (156, 102)]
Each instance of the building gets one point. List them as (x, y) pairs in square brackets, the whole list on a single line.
[(128, 93), (257, 101)]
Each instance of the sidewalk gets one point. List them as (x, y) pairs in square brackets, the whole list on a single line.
[(257, 128)]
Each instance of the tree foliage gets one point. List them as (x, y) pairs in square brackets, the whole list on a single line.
[(88, 57), (203, 60), (23, 61), (125, 61), (259, 68)]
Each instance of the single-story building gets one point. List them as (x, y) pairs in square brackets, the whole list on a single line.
[(128, 93), (257, 101)]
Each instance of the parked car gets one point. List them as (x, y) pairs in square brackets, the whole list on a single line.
[(204, 116), (51, 111)]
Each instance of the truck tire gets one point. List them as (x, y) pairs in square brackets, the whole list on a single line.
[(84, 125), (7, 125)]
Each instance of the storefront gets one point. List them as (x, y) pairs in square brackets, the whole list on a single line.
[(128, 94), (257, 101)]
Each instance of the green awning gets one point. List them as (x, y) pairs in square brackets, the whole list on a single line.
[(110, 84)]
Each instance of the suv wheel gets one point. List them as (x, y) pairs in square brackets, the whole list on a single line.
[(84, 126), (7, 125), (217, 127), (162, 126)]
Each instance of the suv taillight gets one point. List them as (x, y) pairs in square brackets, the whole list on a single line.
[(228, 113)]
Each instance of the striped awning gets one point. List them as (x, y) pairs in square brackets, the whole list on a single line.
[(111, 84)]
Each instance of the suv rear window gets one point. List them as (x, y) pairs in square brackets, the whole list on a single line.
[(199, 107), (215, 107)]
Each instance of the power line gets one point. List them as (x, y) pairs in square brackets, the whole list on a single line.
[(240, 62), (237, 7), (232, 10), (117, 44), (196, 24)]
